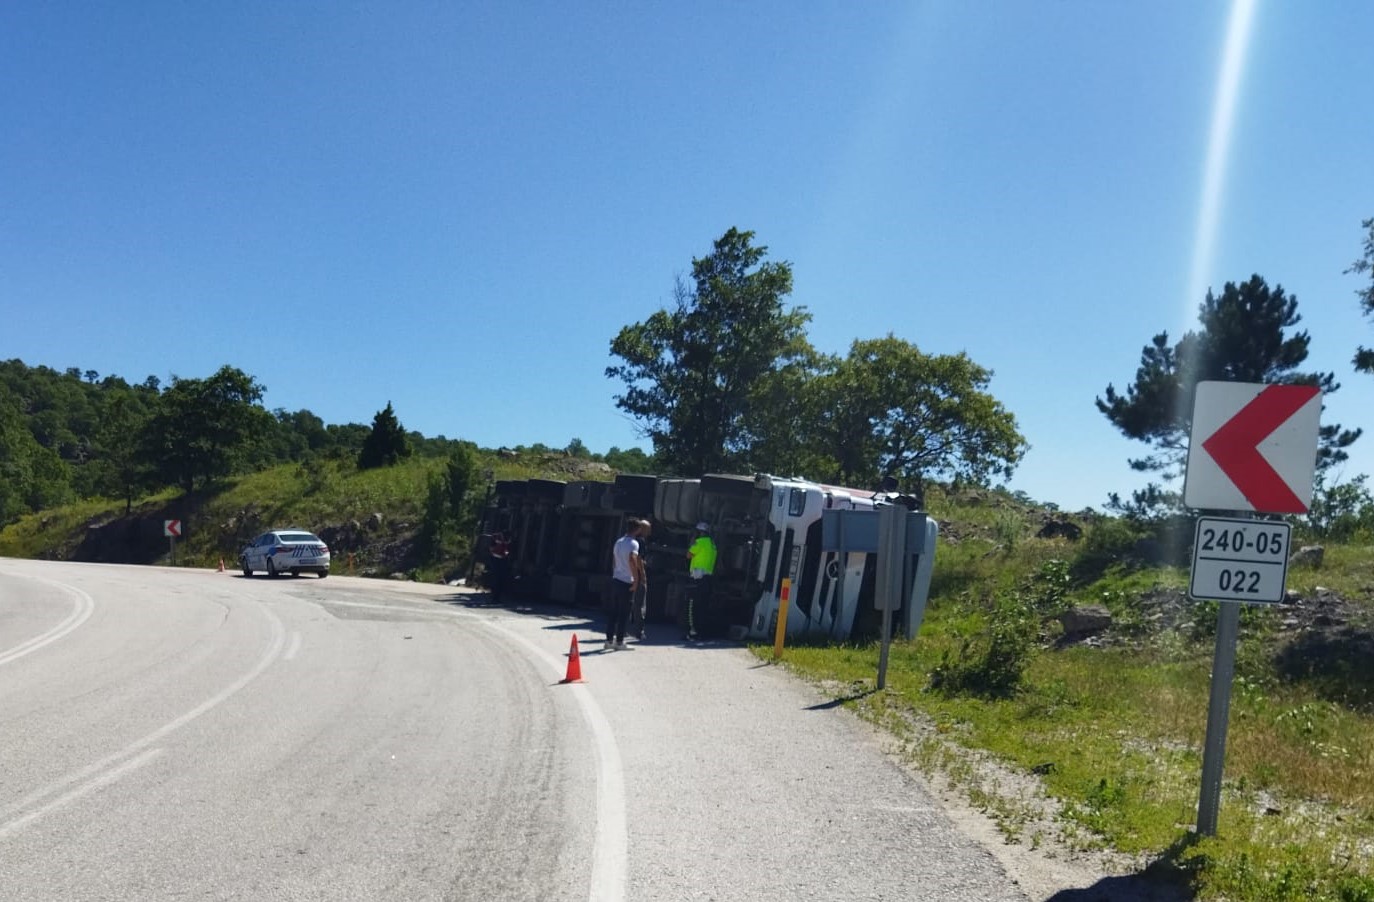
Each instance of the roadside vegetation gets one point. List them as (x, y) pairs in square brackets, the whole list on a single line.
[(1094, 743)]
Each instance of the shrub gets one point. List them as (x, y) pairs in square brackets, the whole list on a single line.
[(1110, 541), (992, 664)]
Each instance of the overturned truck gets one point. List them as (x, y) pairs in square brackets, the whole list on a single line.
[(766, 529)]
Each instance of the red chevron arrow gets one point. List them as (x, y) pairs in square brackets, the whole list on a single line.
[(1235, 447)]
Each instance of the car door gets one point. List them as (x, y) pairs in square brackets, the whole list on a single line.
[(258, 553)]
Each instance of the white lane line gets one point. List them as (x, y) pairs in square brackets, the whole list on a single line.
[(610, 847), (97, 774), (81, 612), (294, 647), (67, 798)]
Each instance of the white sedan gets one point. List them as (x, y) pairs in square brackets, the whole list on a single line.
[(291, 551)]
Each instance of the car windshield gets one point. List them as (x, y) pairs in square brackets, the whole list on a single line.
[(299, 537)]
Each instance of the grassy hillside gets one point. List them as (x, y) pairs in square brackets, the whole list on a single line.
[(374, 515), (1089, 741)]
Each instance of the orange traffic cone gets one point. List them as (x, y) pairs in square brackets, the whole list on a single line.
[(221, 565), (574, 664)]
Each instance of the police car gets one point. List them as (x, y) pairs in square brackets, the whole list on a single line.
[(291, 551)]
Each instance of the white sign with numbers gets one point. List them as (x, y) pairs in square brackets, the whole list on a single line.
[(1240, 560)]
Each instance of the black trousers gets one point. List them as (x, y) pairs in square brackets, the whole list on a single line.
[(699, 592), (639, 610), (620, 611)]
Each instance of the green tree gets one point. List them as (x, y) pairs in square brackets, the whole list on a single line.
[(1242, 339), (32, 477), (460, 476), (121, 470), (434, 524), (692, 374), (346, 441), (299, 436), (386, 444), (887, 409), (1364, 357), (629, 460), (204, 429), (782, 420)]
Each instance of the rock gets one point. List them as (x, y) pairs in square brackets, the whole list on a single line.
[(1085, 620), (1308, 556), (374, 522), (1055, 528)]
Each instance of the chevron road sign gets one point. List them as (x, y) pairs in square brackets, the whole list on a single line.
[(1253, 447)]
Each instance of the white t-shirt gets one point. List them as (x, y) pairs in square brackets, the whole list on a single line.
[(625, 546)]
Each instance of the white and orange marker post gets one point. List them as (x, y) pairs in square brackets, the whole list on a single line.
[(781, 633)]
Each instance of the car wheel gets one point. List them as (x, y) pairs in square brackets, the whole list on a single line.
[(323, 574), (272, 569), (295, 572), (247, 571)]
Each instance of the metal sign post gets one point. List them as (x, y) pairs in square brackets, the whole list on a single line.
[(1235, 561), (1251, 448), (171, 529), (1218, 718), (890, 576)]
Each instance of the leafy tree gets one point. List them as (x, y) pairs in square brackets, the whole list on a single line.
[(693, 373), (204, 429), (386, 444), (121, 470), (434, 524), (460, 476), (887, 409), (346, 441), (1364, 357), (59, 409), (629, 460), (577, 449), (787, 406), (299, 435), (31, 477), (1340, 510), (1242, 339)]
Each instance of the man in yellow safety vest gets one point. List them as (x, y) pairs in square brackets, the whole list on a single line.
[(701, 567)]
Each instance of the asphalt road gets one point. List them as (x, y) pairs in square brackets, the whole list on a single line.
[(179, 734)]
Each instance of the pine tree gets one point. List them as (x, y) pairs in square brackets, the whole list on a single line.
[(386, 444)]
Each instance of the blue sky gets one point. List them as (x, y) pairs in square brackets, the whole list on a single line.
[(454, 207)]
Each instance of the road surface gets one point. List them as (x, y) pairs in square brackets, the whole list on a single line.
[(180, 734)]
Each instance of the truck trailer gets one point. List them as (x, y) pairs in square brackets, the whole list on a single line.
[(767, 529)]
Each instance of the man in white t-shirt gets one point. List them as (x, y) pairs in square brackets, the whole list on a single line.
[(627, 574)]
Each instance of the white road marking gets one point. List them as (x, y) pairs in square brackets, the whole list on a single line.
[(81, 612), (293, 647), (112, 767), (105, 779), (610, 847)]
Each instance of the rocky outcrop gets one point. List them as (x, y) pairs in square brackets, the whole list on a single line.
[(1085, 620)]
